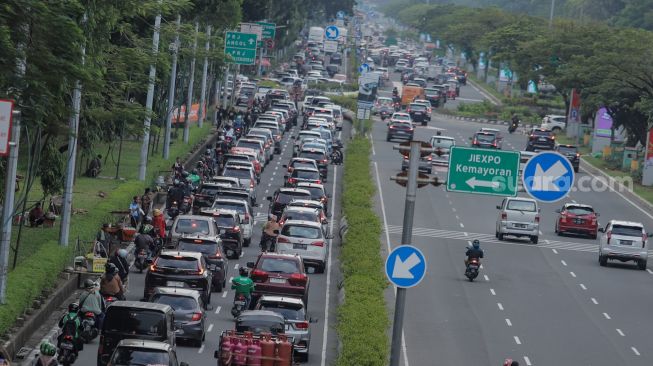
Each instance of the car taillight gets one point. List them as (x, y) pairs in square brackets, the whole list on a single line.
[(317, 181), (258, 274), (318, 243), (504, 216), (644, 237), (494, 144), (302, 325), (391, 127), (324, 161), (429, 158), (236, 228), (292, 180), (609, 235), (68, 338), (593, 220), (323, 199), (217, 255), (563, 217), (251, 183), (89, 314), (246, 219), (298, 279), (474, 142), (281, 239), (577, 155), (553, 137), (153, 268), (196, 317)]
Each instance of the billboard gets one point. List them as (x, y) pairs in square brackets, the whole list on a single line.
[(367, 88), (193, 114), (603, 125)]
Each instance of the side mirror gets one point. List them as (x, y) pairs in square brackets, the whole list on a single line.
[(601, 230), (313, 320), (498, 207), (250, 264), (269, 198), (558, 211)]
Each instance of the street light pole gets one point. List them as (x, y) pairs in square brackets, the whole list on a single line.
[(553, 5), (8, 204), (171, 93)]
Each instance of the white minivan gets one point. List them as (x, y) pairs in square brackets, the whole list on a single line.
[(624, 241), (519, 217)]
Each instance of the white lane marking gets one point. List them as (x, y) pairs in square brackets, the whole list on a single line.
[(517, 340), (572, 274), (217, 310), (620, 332), (508, 322), (224, 294), (454, 209), (493, 292), (528, 361), (242, 254), (594, 301), (274, 173), (210, 328), (546, 241), (465, 234), (457, 218), (583, 287), (266, 191), (563, 263), (461, 225), (574, 201), (635, 351), (554, 251), (236, 266), (541, 232), (649, 271), (606, 316), (500, 306), (451, 203), (486, 277), (269, 184), (372, 143), (201, 349), (276, 167), (325, 334)]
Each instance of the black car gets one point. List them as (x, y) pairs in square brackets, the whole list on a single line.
[(283, 196), (332, 70), (336, 58), (229, 227), (571, 153), (211, 250), (179, 269), (320, 158), (486, 140), (400, 129), (418, 113), (540, 139), (433, 96), (205, 196)]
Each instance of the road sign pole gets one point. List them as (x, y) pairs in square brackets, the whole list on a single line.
[(406, 238), (8, 204)]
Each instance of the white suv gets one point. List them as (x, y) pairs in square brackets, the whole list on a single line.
[(306, 239), (554, 123), (624, 241)]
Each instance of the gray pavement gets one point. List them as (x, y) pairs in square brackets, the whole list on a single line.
[(545, 304)]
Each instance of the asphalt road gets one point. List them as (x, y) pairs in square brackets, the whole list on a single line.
[(545, 304), (323, 291)]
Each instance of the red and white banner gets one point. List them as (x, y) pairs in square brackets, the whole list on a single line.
[(193, 115), (6, 110)]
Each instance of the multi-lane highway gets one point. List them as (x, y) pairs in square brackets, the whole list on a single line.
[(544, 304), (323, 291)]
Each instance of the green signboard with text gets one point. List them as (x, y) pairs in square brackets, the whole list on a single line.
[(269, 29), (241, 47), (483, 171)]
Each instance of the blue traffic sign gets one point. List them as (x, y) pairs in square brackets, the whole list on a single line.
[(548, 176), (405, 266), (363, 68), (331, 32), (340, 14)]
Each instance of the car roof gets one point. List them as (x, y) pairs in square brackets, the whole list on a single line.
[(179, 253), (178, 291), (313, 224), (291, 190), (310, 185), (285, 299), (626, 223), (142, 343), (300, 209), (140, 305), (578, 205)]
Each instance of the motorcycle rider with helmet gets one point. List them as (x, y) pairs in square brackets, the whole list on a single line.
[(243, 285), (111, 284), (144, 241), (71, 325), (475, 252), (269, 233), (119, 259), (46, 356), (92, 302)]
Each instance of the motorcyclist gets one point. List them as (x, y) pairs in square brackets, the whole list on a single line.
[(144, 241), (243, 285), (175, 194), (147, 227), (395, 91), (515, 120), (194, 178), (119, 259), (91, 302), (510, 362), (71, 325), (269, 232), (111, 284), (229, 133), (475, 252), (46, 356)]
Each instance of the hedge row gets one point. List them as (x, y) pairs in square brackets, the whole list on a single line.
[(363, 317)]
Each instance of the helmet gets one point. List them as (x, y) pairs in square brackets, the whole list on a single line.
[(111, 269), (177, 183), (47, 349), (242, 271), (122, 253), (194, 171), (156, 212), (184, 174), (147, 219), (89, 284), (476, 244), (73, 307)]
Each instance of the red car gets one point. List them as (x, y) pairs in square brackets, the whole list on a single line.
[(578, 219), (279, 274)]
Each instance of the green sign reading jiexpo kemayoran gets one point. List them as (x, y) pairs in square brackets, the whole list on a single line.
[(483, 171)]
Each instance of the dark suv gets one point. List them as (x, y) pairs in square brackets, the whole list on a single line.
[(320, 157), (486, 140), (179, 269), (211, 249), (540, 139), (433, 96), (400, 129), (230, 230), (418, 113), (283, 196), (571, 153), (279, 274)]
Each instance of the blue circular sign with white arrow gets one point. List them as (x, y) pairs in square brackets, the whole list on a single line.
[(405, 266), (340, 14), (363, 68), (548, 176), (331, 32)]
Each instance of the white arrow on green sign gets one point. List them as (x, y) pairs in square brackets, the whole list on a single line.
[(241, 47), (483, 171), (269, 29)]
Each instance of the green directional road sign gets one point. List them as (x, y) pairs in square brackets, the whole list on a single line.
[(241, 47), (269, 29), (483, 171)]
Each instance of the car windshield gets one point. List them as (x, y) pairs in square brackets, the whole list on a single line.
[(129, 356), (207, 248), (304, 216), (306, 174), (483, 137), (442, 143), (237, 173), (229, 206), (279, 265), (288, 311), (303, 164), (627, 230), (185, 263), (579, 210), (316, 192), (401, 117), (519, 205), (209, 191), (385, 101), (225, 220), (134, 321), (299, 231), (417, 107), (312, 155), (249, 144), (190, 226), (286, 197), (176, 302), (568, 150)]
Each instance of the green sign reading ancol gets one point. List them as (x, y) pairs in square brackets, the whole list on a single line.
[(241, 47), (269, 29), (483, 171)]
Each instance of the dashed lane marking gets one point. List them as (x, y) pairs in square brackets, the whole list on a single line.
[(620, 332), (210, 328), (594, 301), (224, 294), (508, 322), (517, 340), (635, 351), (500, 306), (201, 349), (493, 292), (583, 287), (607, 316), (572, 274), (563, 263), (217, 310), (528, 361)]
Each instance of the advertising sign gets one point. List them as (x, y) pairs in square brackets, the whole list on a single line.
[(603, 124), (649, 149), (367, 87), (6, 109)]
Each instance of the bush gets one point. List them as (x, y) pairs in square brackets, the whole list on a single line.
[(348, 102), (363, 317)]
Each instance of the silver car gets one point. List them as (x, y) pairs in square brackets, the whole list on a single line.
[(297, 325), (441, 147), (624, 241), (306, 239), (518, 216)]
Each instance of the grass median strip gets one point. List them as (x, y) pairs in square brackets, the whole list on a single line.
[(363, 317)]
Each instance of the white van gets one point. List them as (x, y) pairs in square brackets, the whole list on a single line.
[(519, 217)]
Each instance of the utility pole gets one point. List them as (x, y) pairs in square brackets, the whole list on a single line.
[(73, 124), (189, 97), (171, 92), (142, 166), (224, 87), (205, 70), (8, 204), (553, 5)]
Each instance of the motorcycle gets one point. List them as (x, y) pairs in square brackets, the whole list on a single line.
[(239, 305), (472, 269), (173, 210), (89, 331), (267, 243), (141, 260), (239, 132), (67, 352), (109, 299), (384, 114), (336, 157), (513, 127)]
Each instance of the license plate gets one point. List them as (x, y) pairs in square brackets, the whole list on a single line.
[(626, 242), (578, 221), (222, 231), (542, 139), (521, 226), (175, 284), (299, 246), (66, 345), (239, 303), (277, 280)]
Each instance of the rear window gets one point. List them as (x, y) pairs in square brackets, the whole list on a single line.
[(209, 191), (305, 174), (436, 142), (299, 231), (576, 210), (139, 356), (176, 302), (316, 192), (304, 216), (190, 226), (518, 205), (288, 311), (240, 208), (401, 117), (225, 220), (485, 137), (289, 196), (185, 263), (279, 265), (135, 321), (251, 145), (626, 230), (209, 248), (302, 164), (312, 155), (567, 149), (417, 107), (237, 173), (541, 133)]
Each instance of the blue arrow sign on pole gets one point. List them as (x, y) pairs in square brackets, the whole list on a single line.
[(363, 68), (405, 266), (340, 14), (548, 176), (331, 32)]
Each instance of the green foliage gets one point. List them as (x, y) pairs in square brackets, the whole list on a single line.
[(363, 317), (348, 102), (51, 170)]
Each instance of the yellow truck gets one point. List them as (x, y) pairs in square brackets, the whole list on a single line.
[(411, 93)]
